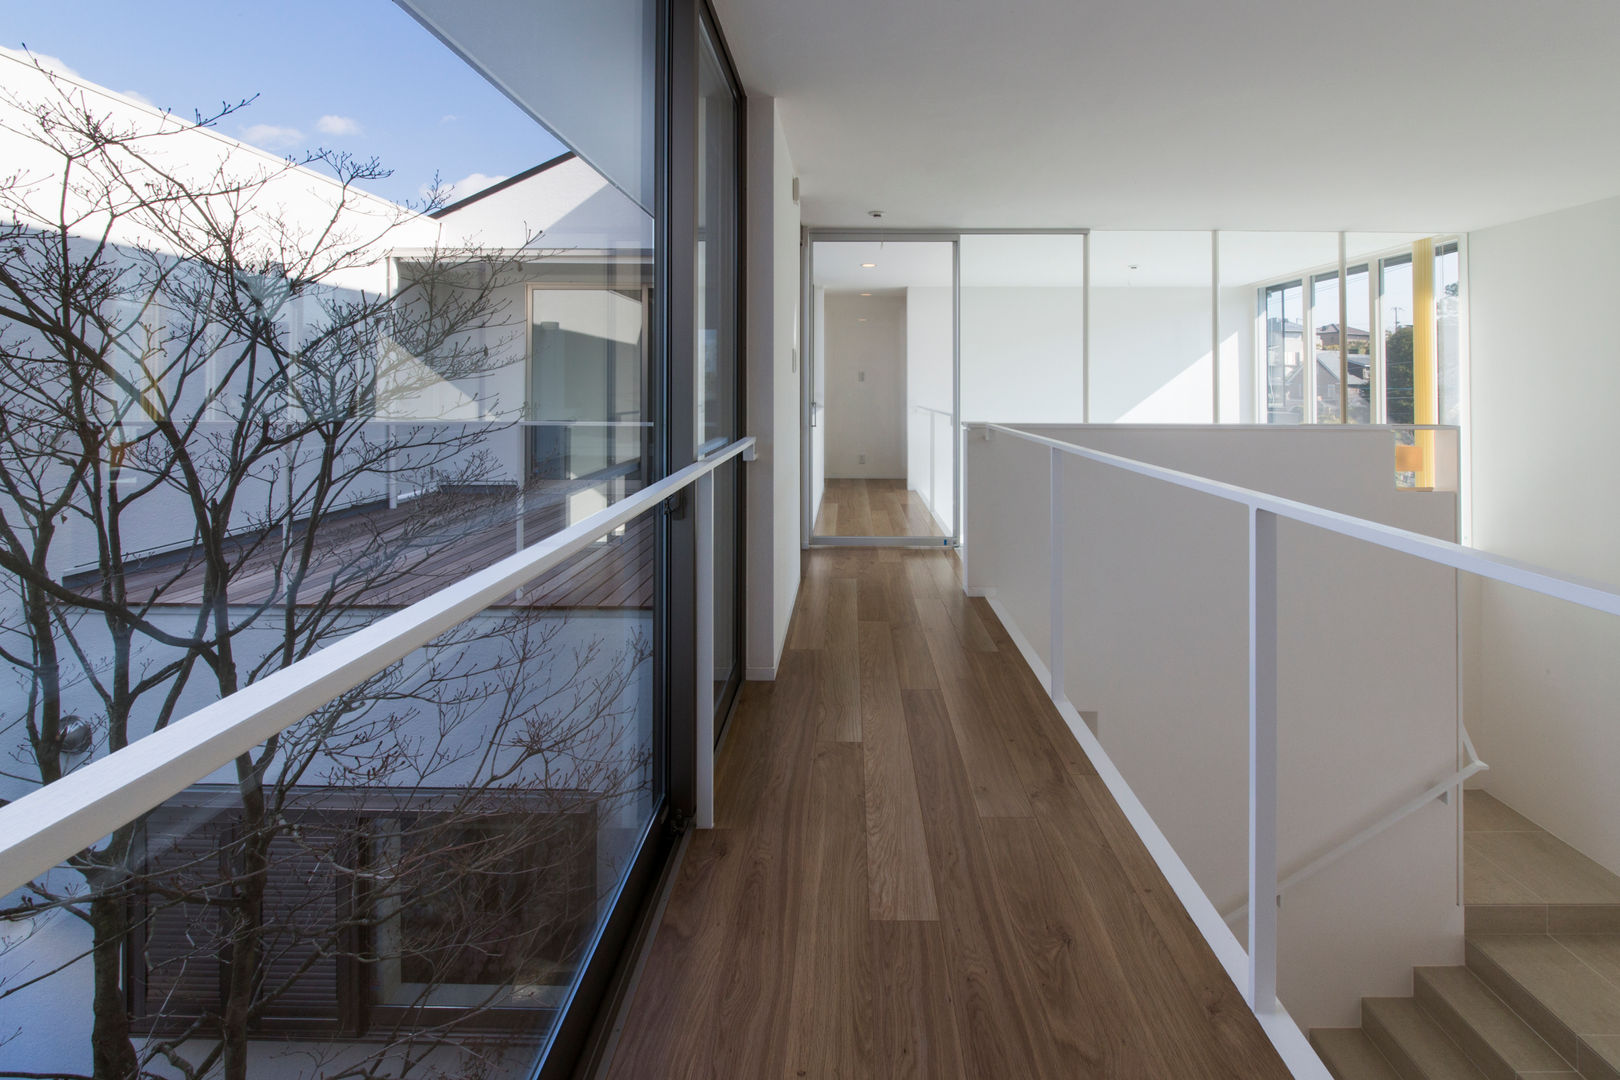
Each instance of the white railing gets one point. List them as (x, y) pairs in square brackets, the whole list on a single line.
[(934, 416), (47, 826), (1263, 513)]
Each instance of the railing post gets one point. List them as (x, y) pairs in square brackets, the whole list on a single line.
[(520, 513), (933, 495), (1262, 760), (1055, 642), (703, 528)]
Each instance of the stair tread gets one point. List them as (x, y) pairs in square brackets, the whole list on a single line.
[(1482, 1023), (1600, 1056), (1562, 974), (1544, 868), (1350, 1055), (1401, 1029), (1484, 812)]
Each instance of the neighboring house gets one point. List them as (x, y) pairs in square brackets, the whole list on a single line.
[(558, 424), (1327, 337)]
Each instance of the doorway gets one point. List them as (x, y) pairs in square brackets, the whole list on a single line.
[(880, 381)]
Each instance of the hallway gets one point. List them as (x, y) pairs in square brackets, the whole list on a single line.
[(873, 508), (917, 872)]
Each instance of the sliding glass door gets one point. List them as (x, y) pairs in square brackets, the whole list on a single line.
[(908, 337), (511, 305), (718, 393), (882, 430)]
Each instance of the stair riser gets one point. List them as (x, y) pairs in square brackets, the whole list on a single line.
[(1473, 1044), (1595, 1068), (1389, 1046), (1350, 1060), (1521, 1001)]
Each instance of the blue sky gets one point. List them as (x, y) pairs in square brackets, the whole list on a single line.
[(354, 75)]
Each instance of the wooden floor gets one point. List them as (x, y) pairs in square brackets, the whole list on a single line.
[(390, 557), (917, 873), (873, 508)]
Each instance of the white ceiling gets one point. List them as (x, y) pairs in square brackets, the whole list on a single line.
[(895, 265), (1149, 258), (1437, 115)]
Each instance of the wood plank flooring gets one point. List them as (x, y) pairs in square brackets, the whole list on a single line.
[(873, 508), (917, 873), (393, 557)]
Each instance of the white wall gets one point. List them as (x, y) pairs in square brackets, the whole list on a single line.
[(1150, 355), (1021, 354), (1542, 697), (1157, 645), (866, 385), (773, 390)]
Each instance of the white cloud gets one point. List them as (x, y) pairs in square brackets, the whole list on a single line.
[(56, 66), (337, 125), (472, 184), (272, 137), (52, 64), (449, 118)]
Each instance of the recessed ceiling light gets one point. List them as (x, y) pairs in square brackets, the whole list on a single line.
[(868, 266), (866, 294)]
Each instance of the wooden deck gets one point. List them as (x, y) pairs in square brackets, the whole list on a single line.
[(917, 872), (391, 557), (873, 508)]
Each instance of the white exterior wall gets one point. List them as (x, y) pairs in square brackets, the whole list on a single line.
[(773, 390), (1542, 682), (54, 1016), (1156, 644), (541, 54)]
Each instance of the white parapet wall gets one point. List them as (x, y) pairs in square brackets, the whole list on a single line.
[(1156, 645)]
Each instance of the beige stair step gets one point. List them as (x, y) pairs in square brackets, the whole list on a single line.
[(1567, 988), (1484, 812), (1492, 1035), (1600, 1057), (1350, 1055), (1536, 867), (1413, 1042), (1520, 879)]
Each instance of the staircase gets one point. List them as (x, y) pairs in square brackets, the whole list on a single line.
[(1539, 997)]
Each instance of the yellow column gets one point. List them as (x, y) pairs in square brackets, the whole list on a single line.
[(1425, 356)]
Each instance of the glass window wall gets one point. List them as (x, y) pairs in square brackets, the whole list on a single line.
[(430, 339), (718, 420)]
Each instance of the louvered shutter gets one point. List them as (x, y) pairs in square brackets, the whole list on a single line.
[(304, 945), (177, 961), (180, 945)]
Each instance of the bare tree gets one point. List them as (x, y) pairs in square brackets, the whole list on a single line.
[(178, 346)]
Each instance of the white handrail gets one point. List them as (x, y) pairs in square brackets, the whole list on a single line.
[(930, 408), (45, 827), (1586, 593), (1263, 512), (1394, 817)]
